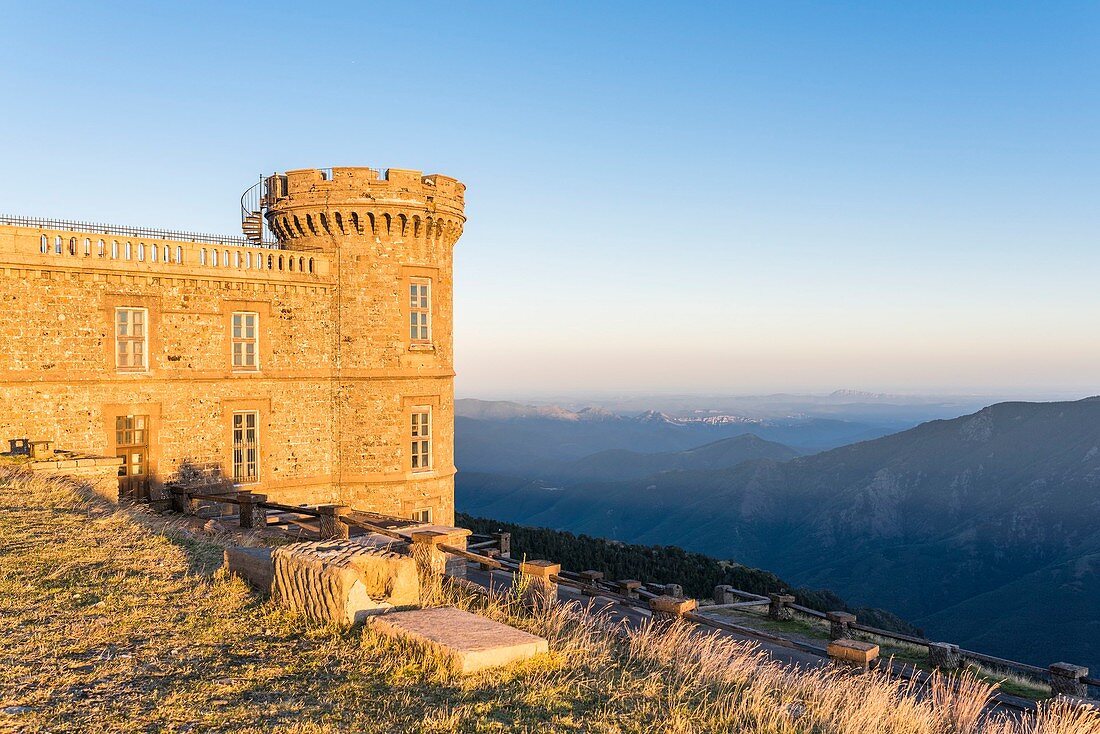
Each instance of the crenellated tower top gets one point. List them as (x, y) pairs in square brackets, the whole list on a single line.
[(316, 208)]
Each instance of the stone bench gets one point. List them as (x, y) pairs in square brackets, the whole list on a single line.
[(853, 652)]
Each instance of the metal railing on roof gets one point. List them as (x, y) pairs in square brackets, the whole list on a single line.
[(155, 234)]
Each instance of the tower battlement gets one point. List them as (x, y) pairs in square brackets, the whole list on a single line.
[(341, 202)]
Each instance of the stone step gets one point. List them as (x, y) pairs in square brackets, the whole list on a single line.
[(469, 642)]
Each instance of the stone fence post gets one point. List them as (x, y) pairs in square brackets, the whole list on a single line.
[(505, 544), (944, 655), (489, 553), (1065, 679), (840, 625), (431, 562), (670, 607), (250, 514), (541, 589), (591, 581), (332, 525), (723, 594), (629, 587), (778, 608), (182, 502), (676, 591)]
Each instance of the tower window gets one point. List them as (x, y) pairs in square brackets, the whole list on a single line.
[(57, 245), (130, 341), (246, 447), (423, 516), (420, 310), (246, 341), (45, 244), (421, 435)]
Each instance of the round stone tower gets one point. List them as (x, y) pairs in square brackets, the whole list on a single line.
[(390, 237)]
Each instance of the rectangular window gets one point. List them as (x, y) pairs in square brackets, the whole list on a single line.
[(421, 439), (246, 341), (424, 516), (246, 447), (420, 310), (130, 339)]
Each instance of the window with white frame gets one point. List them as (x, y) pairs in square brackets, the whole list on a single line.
[(421, 439), (130, 339), (420, 310), (422, 516), (45, 244), (246, 446), (246, 340)]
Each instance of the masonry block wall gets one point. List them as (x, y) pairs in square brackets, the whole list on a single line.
[(338, 375)]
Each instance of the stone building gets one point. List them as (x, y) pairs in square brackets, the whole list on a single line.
[(314, 365)]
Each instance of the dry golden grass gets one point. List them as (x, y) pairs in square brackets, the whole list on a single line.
[(114, 621)]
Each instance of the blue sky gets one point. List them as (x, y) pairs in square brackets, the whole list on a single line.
[(683, 197)]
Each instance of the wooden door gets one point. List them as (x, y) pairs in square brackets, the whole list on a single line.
[(132, 444)]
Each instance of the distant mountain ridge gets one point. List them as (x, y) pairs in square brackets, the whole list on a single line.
[(983, 529), (618, 464), (512, 438)]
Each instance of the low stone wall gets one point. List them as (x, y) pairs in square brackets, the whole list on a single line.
[(100, 473)]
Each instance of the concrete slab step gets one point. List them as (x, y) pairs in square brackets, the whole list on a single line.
[(471, 643)]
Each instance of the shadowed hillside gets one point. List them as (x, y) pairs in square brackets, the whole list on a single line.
[(984, 530)]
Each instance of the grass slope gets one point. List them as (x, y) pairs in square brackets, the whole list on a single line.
[(114, 621)]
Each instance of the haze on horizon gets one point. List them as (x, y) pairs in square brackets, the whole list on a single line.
[(733, 199)]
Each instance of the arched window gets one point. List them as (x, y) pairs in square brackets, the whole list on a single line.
[(87, 247), (290, 264), (269, 262), (57, 245), (280, 262), (129, 251), (155, 252), (114, 249), (214, 258), (45, 244), (301, 264), (179, 255), (72, 245), (311, 265), (141, 252), (202, 256), (225, 258), (236, 258), (102, 248)]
